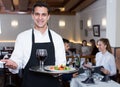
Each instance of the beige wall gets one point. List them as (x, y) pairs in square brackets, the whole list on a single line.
[(25, 22), (95, 12)]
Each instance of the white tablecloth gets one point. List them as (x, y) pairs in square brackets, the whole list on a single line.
[(76, 82)]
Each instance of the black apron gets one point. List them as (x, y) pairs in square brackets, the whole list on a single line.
[(36, 79)]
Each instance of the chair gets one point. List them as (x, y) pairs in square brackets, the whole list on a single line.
[(67, 83), (92, 57), (67, 57), (118, 69)]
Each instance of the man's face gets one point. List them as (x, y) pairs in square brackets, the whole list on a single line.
[(67, 46), (40, 17)]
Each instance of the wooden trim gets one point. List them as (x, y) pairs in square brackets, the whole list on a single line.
[(92, 57)]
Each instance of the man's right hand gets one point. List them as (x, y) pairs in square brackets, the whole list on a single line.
[(10, 63)]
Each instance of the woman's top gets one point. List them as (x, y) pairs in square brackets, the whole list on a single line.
[(85, 50), (106, 60), (22, 51)]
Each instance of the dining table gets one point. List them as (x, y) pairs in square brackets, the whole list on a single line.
[(78, 82)]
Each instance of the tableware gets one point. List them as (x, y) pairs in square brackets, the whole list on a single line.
[(88, 72), (49, 71), (41, 55), (60, 71)]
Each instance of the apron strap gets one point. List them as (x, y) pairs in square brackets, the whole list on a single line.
[(50, 36)]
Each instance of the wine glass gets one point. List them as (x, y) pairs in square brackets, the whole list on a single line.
[(41, 54)]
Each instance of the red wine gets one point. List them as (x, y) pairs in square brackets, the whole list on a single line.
[(41, 58)]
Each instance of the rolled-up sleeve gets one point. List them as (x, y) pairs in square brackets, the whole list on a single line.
[(22, 50)]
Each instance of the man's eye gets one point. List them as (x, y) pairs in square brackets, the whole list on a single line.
[(44, 14), (36, 14)]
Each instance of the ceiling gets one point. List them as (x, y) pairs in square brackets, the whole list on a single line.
[(61, 7)]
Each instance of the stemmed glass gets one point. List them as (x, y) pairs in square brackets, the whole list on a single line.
[(41, 54)]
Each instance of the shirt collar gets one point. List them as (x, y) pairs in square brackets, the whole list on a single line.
[(36, 31), (105, 53)]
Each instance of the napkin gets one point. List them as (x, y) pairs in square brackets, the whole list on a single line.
[(106, 78), (2, 64), (89, 80)]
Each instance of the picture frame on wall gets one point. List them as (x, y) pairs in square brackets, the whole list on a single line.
[(81, 24), (86, 32), (96, 30)]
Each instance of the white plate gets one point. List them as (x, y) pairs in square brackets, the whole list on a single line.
[(60, 71), (47, 70)]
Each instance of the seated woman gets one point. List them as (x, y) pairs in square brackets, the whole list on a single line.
[(103, 58), (85, 51)]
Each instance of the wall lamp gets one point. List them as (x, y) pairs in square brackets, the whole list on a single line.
[(89, 23), (62, 23)]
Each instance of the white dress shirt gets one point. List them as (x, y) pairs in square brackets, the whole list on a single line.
[(106, 60), (23, 45)]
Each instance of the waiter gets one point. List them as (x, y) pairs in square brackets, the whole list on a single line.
[(38, 37)]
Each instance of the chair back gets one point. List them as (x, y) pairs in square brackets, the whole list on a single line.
[(117, 61)]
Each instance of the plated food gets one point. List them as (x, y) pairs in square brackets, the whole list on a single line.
[(51, 69), (59, 67)]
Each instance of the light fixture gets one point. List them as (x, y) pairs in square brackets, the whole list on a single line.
[(16, 2), (61, 23), (104, 22), (62, 9), (89, 23), (14, 23)]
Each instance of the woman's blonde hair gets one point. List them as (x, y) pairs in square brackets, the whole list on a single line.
[(106, 42)]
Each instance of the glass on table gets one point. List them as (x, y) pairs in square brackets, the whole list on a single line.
[(97, 77), (41, 54), (88, 72)]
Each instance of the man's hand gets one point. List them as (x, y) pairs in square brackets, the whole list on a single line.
[(9, 63), (75, 75)]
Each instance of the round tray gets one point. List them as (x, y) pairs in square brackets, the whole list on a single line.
[(46, 70)]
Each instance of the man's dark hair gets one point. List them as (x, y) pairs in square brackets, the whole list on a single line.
[(65, 40), (84, 41), (40, 4), (92, 40)]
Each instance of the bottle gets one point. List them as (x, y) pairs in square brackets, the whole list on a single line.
[(77, 62)]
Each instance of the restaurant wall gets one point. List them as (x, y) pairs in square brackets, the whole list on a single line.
[(96, 13), (67, 31), (8, 33)]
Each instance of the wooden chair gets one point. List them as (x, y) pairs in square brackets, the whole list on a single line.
[(118, 69), (92, 57), (67, 83), (67, 57)]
